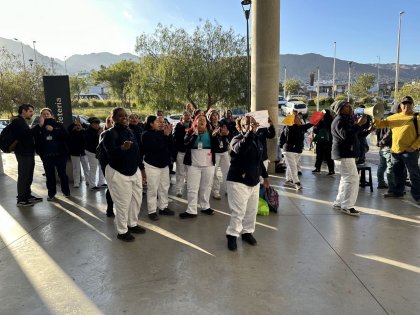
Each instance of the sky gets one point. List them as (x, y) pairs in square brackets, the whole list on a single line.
[(364, 30)]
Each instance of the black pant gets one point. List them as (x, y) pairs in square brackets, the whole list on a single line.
[(26, 165), (50, 165), (323, 153)]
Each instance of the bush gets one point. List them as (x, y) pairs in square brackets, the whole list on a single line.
[(84, 104), (325, 101), (311, 103), (96, 103)]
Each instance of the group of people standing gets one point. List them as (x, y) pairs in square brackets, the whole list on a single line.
[(131, 156)]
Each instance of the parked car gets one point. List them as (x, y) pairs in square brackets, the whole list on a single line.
[(83, 120), (3, 124), (281, 102), (174, 119), (297, 106)]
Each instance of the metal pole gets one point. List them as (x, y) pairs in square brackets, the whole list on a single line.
[(397, 66), (317, 93), (23, 54), (333, 80), (33, 43), (248, 60), (65, 64), (379, 62), (348, 87), (284, 87)]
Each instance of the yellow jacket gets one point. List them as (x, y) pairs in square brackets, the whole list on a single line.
[(404, 133)]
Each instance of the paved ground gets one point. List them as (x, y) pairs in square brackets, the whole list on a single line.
[(63, 257)]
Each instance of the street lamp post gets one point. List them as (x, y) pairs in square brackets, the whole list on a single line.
[(284, 85), (397, 65), (65, 64), (23, 54), (348, 87), (333, 80), (246, 7), (379, 62), (317, 93), (33, 43)]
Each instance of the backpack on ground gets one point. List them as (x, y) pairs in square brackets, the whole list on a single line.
[(271, 196), (8, 140)]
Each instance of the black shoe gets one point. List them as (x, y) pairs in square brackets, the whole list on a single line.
[(67, 195), (299, 173), (351, 211), (126, 237), (166, 211), (95, 188), (383, 186), (186, 215), (316, 171), (24, 204), (50, 198), (137, 229), (331, 173), (110, 213), (393, 195), (231, 242), (104, 186), (208, 211), (247, 237), (34, 199), (153, 216)]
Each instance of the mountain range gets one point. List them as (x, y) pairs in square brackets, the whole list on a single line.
[(298, 66)]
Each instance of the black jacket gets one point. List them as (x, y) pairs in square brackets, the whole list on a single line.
[(264, 134), (91, 139), (295, 136), (76, 141), (246, 164), (24, 136), (50, 143), (125, 162), (157, 148), (345, 137), (179, 135)]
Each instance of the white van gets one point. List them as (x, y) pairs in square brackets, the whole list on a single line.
[(89, 96)]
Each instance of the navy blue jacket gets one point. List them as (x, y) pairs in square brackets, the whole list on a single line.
[(125, 162), (345, 137), (50, 143), (295, 136), (179, 135), (264, 134), (157, 148), (91, 139), (246, 164)]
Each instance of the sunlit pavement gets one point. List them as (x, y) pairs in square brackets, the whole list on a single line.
[(63, 257)]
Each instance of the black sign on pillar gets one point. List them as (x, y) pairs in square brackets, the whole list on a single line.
[(57, 97)]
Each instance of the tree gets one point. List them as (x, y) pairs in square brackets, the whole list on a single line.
[(412, 89), (118, 76), (362, 85), (203, 68), (18, 85), (78, 85), (292, 86)]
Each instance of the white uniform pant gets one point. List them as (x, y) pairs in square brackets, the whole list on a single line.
[(292, 160), (199, 182), (126, 192), (265, 162), (76, 161), (181, 172), (222, 161), (158, 183), (243, 203), (349, 183), (93, 170)]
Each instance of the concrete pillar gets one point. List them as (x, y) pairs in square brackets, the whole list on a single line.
[(1, 164), (265, 58)]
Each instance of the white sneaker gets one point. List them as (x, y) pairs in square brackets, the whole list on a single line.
[(351, 211), (217, 196), (288, 183), (336, 206), (298, 186)]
